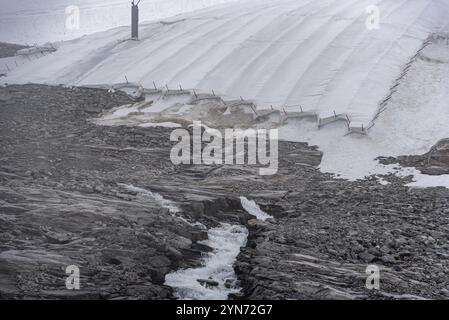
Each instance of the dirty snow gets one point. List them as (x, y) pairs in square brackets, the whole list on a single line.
[(415, 119), (253, 208)]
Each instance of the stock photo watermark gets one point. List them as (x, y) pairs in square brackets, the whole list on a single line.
[(259, 145), (72, 282), (373, 279), (72, 20), (373, 20)]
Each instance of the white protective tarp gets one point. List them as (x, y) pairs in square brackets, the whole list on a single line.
[(314, 53)]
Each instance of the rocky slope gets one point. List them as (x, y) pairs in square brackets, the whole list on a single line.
[(67, 198)]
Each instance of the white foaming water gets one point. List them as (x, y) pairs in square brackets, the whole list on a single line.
[(252, 208), (226, 242)]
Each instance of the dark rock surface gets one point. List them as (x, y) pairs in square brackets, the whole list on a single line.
[(434, 162), (63, 202), (9, 49)]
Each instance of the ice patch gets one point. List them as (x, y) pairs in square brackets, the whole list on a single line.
[(226, 242), (160, 124), (283, 52), (252, 208), (145, 194)]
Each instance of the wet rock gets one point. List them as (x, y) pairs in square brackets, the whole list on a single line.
[(208, 283)]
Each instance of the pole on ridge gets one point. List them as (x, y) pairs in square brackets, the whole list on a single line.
[(135, 20)]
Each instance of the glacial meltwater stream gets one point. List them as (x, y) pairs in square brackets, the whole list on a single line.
[(216, 278)]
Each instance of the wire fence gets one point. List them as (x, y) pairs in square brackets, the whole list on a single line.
[(24, 56), (137, 91)]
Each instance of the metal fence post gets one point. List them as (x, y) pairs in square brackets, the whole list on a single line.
[(135, 21)]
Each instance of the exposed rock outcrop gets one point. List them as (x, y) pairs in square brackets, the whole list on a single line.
[(64, 200)]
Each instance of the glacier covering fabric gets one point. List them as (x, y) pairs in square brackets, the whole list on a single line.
[(315, 53)]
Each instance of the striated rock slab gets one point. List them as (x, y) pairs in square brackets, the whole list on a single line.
[(64, 200)]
